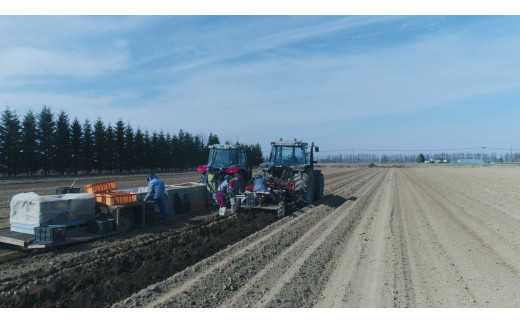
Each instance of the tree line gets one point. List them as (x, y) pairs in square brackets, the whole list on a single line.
[(421, 158), (368, 158), (485, 157), (46, 144)]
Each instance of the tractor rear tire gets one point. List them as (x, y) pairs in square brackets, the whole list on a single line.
[(304, 188), (319, 183)]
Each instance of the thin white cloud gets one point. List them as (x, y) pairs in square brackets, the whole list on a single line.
[(311, 88), (27, 61), (231, 48), (63, 30)]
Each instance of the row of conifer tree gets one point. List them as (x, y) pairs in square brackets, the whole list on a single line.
[(47, 144)]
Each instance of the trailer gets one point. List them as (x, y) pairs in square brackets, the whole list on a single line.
[(41, 222)]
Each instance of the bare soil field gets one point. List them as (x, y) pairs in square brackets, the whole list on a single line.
[(432, 236)]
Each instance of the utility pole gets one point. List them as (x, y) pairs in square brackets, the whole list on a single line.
[(352, 156)]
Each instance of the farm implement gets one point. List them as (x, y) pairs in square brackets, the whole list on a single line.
[(289, 176)]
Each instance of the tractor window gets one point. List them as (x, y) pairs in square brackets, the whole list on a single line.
[(211, 157), (242, 158), (288, 155), (220, 158), (234, 157), (224, 158)]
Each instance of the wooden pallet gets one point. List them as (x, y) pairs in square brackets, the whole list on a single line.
[(16, 238), (73, 235)]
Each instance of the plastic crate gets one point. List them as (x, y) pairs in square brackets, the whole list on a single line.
[(101, 226), (49, 234), (100, 187), (66, 190), (182, 203), (197, 206), (116, 198), (250, 201), (100, 198)]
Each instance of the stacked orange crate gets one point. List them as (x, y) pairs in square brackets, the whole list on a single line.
[(119, 198), (101, 187), (104, 194)]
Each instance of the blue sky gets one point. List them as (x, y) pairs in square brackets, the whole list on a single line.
[(365, 82)]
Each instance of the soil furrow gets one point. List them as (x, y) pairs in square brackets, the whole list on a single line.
[(232, 273), (414, 236), (481, 259), (366, 244)]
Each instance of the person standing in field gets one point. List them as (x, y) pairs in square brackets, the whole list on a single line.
[(156, 193), (223, 194), (212, 186), (234, 188)]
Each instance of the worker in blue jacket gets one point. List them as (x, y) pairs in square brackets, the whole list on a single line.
[(260, 186), (156, 193)]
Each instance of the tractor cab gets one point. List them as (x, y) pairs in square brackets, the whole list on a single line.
[(226, 160), (288, 155), (291, 155), (225, 157)]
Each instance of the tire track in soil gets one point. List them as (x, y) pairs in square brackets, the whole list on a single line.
[(482, 214), (402, 285), (338, 179), (304, 254), (445, 249), (474, 266), (103, 275), (358, 278), (436, 282), (253, 266)]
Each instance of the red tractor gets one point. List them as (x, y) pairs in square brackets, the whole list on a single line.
[(226, 160), (290, 176)]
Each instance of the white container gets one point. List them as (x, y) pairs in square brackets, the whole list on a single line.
[(30, 210)]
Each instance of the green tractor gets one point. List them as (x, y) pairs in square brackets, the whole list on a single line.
[(290, 175)]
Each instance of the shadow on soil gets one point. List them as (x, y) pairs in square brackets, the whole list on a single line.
[(105, 276), (332, 200)]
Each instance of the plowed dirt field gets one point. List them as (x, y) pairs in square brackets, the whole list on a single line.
[(432, 236)]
